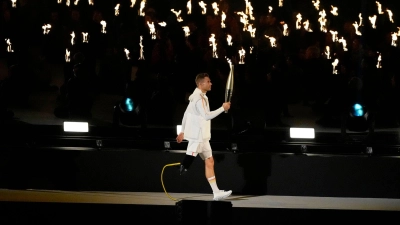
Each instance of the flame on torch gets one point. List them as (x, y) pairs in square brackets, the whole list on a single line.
[(59, 1), (379, 63), (298, 21), (203, 7), (390, 15), (334, 35), (117, 9), (334, 64), (72, 38), (189, 7), (251, 30), (127, 53), (46, 28), (249, 9), (67, 55), (372, 19), (272, 40), (223, 17), (242, 54), (251, 49), (67, 3), (186, 30), (394, 39), (103, 28), (243, 19), (91, 2), (141, 57), (152, 29), (177, 14), (214, 45), (379, 7), (9, 48), (76, 2), (334, 10), (344, 43), (280, 3), (14, 3), (355, 24), (285, 29), (270, 9), (142, 5), (229, 39), (306, 25), (163, 24), (316, 4), (215, 7), (133, 3), (322, 21), (327, 52), (85, 37)]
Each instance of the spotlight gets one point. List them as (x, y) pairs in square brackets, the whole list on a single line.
[(357, 110), (76, 127), (358, 116), (369, 150), (129, 106), (307, 133)]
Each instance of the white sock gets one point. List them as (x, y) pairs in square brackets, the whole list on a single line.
[(213, 184)]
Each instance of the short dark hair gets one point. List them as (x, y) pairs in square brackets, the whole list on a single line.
[(200, 77)]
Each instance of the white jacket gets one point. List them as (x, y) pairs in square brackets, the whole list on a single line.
[(196, 122)]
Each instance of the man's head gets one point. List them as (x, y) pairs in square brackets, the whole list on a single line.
[(203, 82)]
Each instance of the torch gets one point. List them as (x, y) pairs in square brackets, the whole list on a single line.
[(229, 84)]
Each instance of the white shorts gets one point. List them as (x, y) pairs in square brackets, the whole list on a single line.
[(202, 148)]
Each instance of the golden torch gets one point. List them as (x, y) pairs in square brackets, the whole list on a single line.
[(229, 84)]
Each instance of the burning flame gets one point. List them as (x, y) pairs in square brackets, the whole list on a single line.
[(344, 43), (141, 57), (9, 48), (316, 4), (214, 45), (390, 15), (327, 52), (229, 39), (243, 19), (251, 30), (379, 63), (285, 30), (373, 21), (251, 49), (76, 2), (223, 17), (280, 3), (133, 3), (394, 39), (67, 3), (356, 27), (152, 30), (334, 35), (14, 3), (72, 38), (249, 10), (189, 7), (334, 10), (306, 25), (91, 2), (127, 53), (242, 54), (298, 21), (361, 20), (379, 7), (85, 37), (163, 24), (272, 40), (67, 55), (177, 14), (59, 1), (142, 5), (215, 7), (117, 9), (334, 64), (46, 28), (186, 30), (203, 7), (103, 28), (322, 21), (270, 9)]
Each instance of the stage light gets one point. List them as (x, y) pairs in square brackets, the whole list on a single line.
[(167, 145), (307, 133), (178, 129), (76, 127), (357, 110)]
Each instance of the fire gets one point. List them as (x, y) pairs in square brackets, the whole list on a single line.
[(223, 17), (85, 37), (344, 43), (390, 15), (117, 9), (356, 27), (361, 20), (214, 45), (152, 29), (242, 54), (322, 21), (91, 2), (142, 5), (67, 55), (270, 9), (141, 57), (272, 40), (334, 10), (9, 48), (316, 4), (76, 2), (334, 64), (379, 63), (67, 3), (127, 53), (14, 3), (72, 38), (46, 28), (327, 52), (249, 10), (394, 39), (59, 1), (285, 30), (298, 21), (306, 25), (215, 7), (103, 28), (280, 3), (133, 3), (243, 19), (229, 39), (334, 35), (379, 7), (186, 30), (203, 7), (398, 31), (251, 49), (251, 30), (372, 19), (189, 7), (177, 14)]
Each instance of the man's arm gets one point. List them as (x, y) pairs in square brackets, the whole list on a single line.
[(208, 115), (181, 135)]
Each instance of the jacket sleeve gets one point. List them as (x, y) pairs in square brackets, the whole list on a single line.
[(184, 122), (205, 113)]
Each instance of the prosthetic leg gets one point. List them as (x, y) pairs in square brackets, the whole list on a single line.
[(185, 164)]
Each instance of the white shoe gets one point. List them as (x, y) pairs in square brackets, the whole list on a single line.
[(221, 195)]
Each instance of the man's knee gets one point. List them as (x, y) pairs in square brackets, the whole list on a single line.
[(209, 161)]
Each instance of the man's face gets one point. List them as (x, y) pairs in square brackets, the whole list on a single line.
[(205, 84)]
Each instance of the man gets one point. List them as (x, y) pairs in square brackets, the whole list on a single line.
[(196, 129)]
